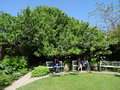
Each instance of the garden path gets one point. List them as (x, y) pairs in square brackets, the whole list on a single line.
[(27, 78)]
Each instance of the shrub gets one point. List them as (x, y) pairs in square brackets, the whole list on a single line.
[(4, 80), (23, 71), (118, 70), (16, 75), (40, 71), (13, 64)]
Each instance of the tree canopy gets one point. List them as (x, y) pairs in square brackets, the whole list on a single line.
[(114, 36), (47, 31)]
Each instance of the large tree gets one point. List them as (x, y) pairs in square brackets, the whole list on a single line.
[(47, 31)]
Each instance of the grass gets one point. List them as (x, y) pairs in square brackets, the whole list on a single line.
[(82, 81)]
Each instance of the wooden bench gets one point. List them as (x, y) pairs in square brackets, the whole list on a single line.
[(109, 64), (50, 64)]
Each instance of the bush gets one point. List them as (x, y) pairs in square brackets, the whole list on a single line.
[(4, 80), (118, 70), (16, 75), (12, 68), (23, 71), (40, 71), (94, 65), (19, 73), (13, 64)]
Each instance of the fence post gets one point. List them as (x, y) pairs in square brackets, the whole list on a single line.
[(100, 65)]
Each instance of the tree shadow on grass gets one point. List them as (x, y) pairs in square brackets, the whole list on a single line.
[(117, 75), (73, 74), (56, 75)]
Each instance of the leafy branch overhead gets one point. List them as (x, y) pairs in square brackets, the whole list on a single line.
[(48, 31)]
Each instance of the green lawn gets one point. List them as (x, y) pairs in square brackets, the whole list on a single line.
[(82, 81)]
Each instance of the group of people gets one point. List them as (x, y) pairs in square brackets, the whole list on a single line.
[(82, 64)]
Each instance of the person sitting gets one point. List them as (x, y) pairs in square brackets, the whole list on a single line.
[(79, 64), (56, 65), (85, 64)]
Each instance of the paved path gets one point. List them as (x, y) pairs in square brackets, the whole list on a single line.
[(27, 78)]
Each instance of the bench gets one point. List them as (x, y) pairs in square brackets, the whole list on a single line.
[(109, 64), (50, 64), (74, 65)]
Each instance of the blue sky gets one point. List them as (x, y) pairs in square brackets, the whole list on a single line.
[(79, 9)]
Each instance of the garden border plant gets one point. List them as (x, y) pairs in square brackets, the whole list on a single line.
[(40, 71), (11, 68)]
